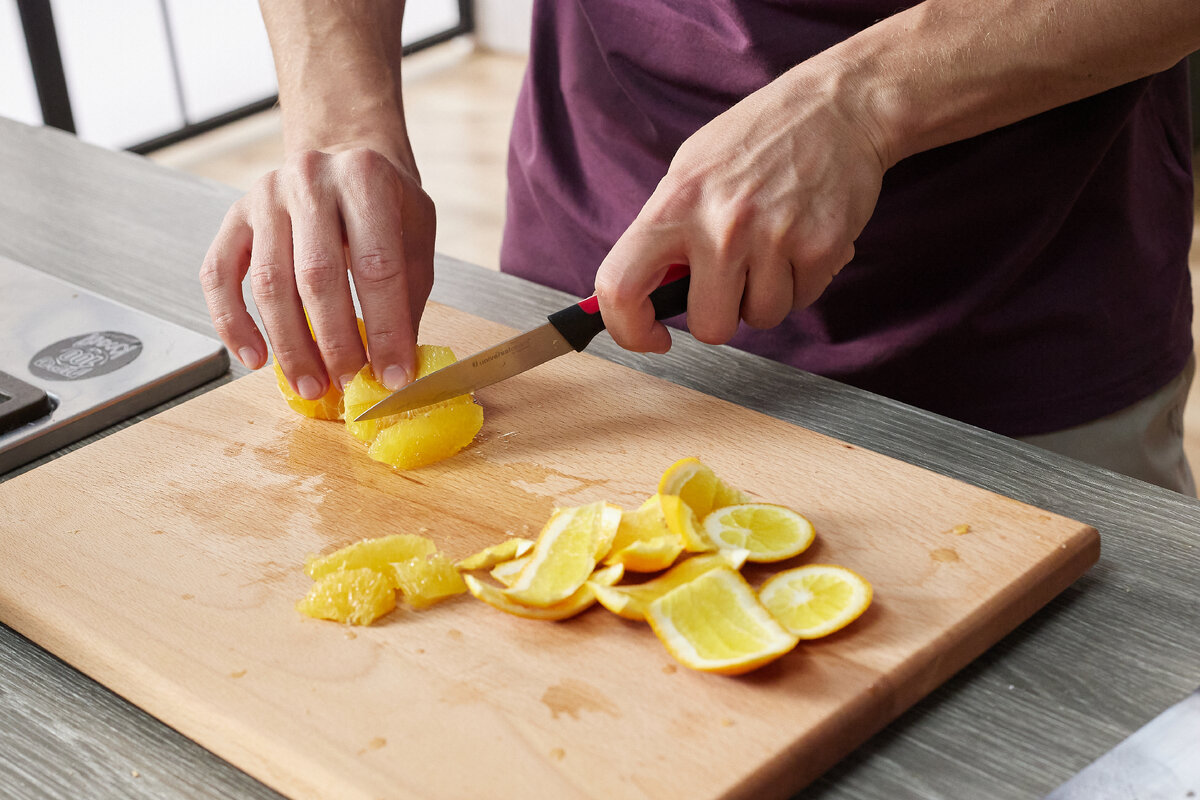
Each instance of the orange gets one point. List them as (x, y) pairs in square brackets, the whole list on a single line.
[(769, 532), (375, 554), (714, 623), (489, 557), (431, 434), (631, 601), (644, 542), (565, 553), (357, 596), (817, 599), (425, 580), (329, 405), (699, 487), (580, 600), (365, 391)]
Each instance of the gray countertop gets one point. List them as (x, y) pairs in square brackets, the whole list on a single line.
[(1110, 653)]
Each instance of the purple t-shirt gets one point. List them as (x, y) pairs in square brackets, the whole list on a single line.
[(1026, 280)]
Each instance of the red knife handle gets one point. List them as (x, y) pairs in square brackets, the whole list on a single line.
[(580, 323)]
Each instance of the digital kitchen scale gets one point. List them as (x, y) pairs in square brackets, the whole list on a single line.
[(73, 362)]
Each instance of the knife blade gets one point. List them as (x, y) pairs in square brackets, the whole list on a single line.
[(572, 328)]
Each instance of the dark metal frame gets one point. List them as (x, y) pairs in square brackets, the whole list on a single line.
[(45, 59)]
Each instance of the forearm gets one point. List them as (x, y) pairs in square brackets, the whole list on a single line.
[(338, 63), (946, 70)]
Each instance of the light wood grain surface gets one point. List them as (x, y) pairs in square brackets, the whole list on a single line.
[(1117, 647), (165, 561)]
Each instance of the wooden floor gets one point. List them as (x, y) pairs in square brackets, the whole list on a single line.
[(460, 103)]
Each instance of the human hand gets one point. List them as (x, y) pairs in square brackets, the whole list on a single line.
[(763, 203), (296, 234)]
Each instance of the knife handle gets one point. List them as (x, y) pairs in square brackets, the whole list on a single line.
[(580, 323)]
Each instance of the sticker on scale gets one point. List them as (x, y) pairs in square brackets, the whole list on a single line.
[(85, 355)]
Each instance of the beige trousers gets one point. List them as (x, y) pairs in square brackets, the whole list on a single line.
[(1144, 441)]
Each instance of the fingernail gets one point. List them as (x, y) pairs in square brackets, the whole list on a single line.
[(395, 377), (344, 381), (309, 387), (249, 357)]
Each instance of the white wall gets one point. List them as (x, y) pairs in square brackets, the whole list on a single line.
[(18, 96), (503, 25)]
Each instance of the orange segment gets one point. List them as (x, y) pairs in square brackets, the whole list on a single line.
[(816, 600), (431, 435), (328, 406), (699, 487), (357, 596), (365, 391), (566, 553), (631, 601), (580, 600), (376, 554), (426, 580), (714, 623)]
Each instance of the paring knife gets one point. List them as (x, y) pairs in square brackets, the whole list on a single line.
[(573, 328)]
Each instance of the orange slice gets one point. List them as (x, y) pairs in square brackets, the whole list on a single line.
[(357, 596), (580, 600), (489, 557), (426, 580), (376, 554), (631, 601), (714, 623), (566, 553), (699, 487), (769, 532), (816, 600)]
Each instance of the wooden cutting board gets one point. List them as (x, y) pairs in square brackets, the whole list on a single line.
[(165, 559)]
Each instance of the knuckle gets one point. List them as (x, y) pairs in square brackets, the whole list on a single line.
[(376, 264), (267, 281), (337, 352), (224, 323), (264, 190), (212, 275), (318, 270), (292, 356), (306, 165)]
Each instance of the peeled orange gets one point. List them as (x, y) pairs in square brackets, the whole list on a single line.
[(357, 596), (425, 580), (375, 554)]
